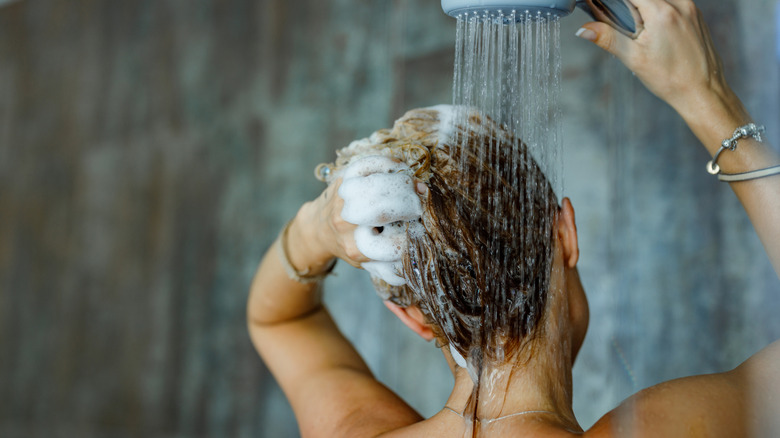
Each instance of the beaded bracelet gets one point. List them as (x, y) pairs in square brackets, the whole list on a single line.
[(751, 130)]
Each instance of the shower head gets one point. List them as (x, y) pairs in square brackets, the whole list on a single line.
[(495, 8), (620, 14)]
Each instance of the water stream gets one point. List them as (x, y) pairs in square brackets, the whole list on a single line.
[(506, 86)]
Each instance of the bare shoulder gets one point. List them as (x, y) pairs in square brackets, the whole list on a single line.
[(346, 403), (741, 402)]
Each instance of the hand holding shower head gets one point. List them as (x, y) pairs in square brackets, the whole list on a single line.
[(620, 14)]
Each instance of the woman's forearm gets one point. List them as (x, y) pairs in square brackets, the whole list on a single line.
[(276, 298), (309, 246), (674, 56), (713, 118)]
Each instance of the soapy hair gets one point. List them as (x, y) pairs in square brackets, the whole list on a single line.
[(481, 271)]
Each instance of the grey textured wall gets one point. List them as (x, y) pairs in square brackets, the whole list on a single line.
[(151, 150)]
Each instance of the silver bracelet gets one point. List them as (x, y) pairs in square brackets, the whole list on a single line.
[(751, 130), (745, 176), (301, 277)]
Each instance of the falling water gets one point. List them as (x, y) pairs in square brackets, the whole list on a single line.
[(508, 67), (507, 71)]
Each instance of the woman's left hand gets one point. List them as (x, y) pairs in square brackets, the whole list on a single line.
[(319, 233)]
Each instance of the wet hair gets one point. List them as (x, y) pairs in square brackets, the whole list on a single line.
[(481, 272)]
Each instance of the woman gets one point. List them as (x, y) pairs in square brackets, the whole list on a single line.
[(519, 381)]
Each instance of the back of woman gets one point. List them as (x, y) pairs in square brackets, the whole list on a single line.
[(490, 275)]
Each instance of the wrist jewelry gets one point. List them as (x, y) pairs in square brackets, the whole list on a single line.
[(745, 176), (294, 274), (751, 130)]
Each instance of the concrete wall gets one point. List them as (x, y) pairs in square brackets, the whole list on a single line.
[(151, 150)]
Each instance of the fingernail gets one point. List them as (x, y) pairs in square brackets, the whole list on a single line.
[(422, 188), (586, 34)]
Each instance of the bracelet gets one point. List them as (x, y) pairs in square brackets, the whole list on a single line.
[(294, 274), (751, 130), (746, 176)]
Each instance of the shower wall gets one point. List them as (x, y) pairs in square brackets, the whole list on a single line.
[(150, 151)]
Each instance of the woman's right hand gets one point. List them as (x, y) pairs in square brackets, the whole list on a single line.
[(673, 56)]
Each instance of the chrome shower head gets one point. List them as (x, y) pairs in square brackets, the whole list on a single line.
[(495, 8), (620, 14)]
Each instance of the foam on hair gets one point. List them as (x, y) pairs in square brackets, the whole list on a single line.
[(379, 196), (477, 263)]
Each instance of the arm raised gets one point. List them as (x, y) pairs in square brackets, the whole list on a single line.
[(329, 386), (674, 57)]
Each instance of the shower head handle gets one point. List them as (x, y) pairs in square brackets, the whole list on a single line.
[(620, 14)]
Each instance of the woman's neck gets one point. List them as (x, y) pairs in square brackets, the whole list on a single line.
[(541, 389), (538, 385)]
